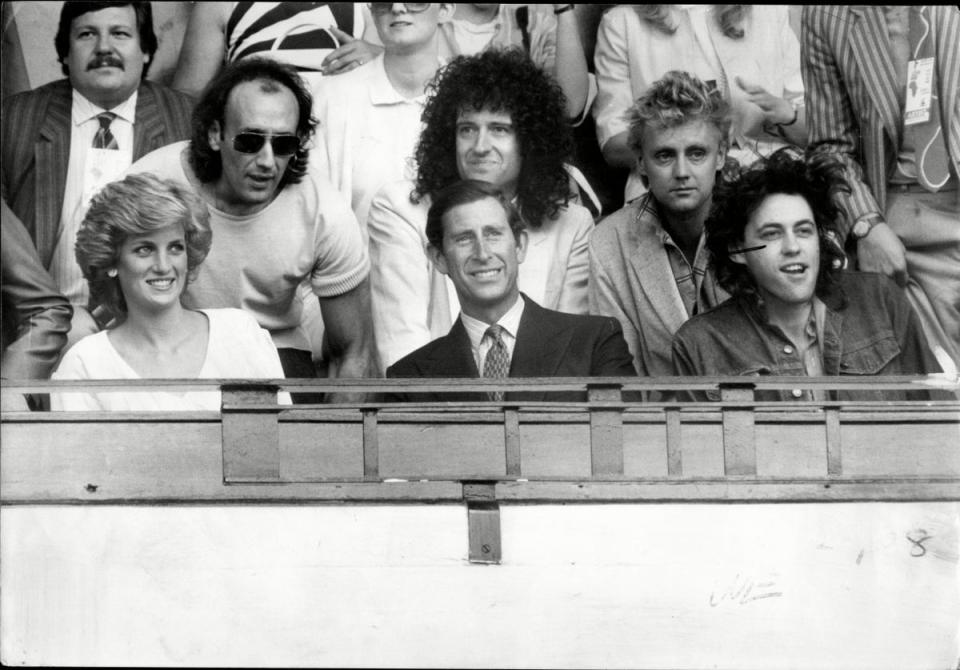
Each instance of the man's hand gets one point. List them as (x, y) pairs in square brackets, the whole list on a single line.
[(351, 54), (775, 110), (882, 251)]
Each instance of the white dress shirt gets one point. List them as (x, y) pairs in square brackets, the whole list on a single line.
[(476, 329), (88, 170)]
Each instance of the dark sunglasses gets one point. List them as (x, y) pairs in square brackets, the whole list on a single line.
[(251, 143), (387, 7)]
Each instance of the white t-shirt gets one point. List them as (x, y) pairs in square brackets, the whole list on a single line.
[(257, 262), (237, 348)]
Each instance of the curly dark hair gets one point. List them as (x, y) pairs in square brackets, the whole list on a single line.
[(817, 179), (500, 80), (72, 10), (206, 162), (137, 204)]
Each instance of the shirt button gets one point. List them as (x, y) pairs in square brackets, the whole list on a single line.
[(796, 393), (788, 349)]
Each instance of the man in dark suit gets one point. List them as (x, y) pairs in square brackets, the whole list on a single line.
[(476, 238), (65, 140)]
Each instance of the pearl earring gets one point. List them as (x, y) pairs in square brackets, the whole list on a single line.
[(112, 272)]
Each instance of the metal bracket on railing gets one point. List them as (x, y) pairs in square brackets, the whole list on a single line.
[(606, 431), (251, 433), (483, 521), (739, 438)]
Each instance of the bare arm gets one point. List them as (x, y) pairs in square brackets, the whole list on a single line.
[(349, 334), (351, 54), (570, 65), (204, 46)]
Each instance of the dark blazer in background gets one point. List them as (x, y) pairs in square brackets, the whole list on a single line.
[(35, 148), (549, 344), (35, 316)]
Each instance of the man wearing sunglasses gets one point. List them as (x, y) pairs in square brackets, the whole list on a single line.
[(277, 225)]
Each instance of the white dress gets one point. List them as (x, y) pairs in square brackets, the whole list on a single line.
[(237, 348)]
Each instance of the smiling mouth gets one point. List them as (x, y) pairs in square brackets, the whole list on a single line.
[(794, 268), (162, 283), (486, 274)]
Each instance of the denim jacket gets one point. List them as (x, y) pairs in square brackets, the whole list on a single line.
[(875, 332)]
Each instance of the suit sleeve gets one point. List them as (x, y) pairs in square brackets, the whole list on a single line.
[(684, 365), (604, 301), (832, 126), (611, 357), (574, 297), (612, 64), (399, 279), (42, 313)]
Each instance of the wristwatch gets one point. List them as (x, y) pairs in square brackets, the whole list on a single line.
[(864, 225)]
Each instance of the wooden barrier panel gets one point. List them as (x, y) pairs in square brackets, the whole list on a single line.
[(836, 543)]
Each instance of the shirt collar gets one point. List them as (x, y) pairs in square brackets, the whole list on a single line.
[(510, 322), (382, 91), (83, 110)]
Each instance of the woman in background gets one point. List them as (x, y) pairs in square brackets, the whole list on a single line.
[(139, 245)]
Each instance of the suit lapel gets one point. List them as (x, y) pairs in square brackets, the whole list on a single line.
[(148, 127), (655, 276), (52, 154), (540, 345), (455, 359), (875, 66)]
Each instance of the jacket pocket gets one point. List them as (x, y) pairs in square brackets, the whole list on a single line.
[(871, 358)]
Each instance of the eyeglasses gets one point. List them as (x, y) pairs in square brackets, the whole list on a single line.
[(250, 143), (387, 7)]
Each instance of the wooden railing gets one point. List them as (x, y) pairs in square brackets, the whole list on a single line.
[(604, 449)]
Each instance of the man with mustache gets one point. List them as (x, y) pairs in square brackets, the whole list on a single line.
[(63, 141), (277, 224), (648, 264)]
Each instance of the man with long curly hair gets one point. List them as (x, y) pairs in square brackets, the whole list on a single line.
[(794, 311), (495, 117), (648, 266)]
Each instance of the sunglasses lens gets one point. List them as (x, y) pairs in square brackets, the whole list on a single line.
[(285, 145), (251, 143), (248, 143), (380, 7), (417, 6)]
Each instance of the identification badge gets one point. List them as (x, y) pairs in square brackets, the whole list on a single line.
[(919, 91)]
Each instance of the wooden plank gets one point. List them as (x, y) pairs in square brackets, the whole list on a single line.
[(606, 431), (674, 442), (726, 490), (433, 451), (833, 437), (511, 442), (739, 440), (251, 440), (371, 446)]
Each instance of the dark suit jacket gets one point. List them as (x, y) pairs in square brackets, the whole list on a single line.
[(35, 317), (36, 149), (549, 344), (851, 94)]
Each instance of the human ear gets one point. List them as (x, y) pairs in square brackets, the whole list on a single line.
[(438, 259), (522, 239), (737, 257), (213, 136)]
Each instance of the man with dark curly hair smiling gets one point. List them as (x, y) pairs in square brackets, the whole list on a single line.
[(498, 118), (794, 311)]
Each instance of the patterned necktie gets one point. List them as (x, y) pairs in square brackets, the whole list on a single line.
[(497, 363), (104, 139), (933, 169)]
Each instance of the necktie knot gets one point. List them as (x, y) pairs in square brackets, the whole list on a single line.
[(104, 139)]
